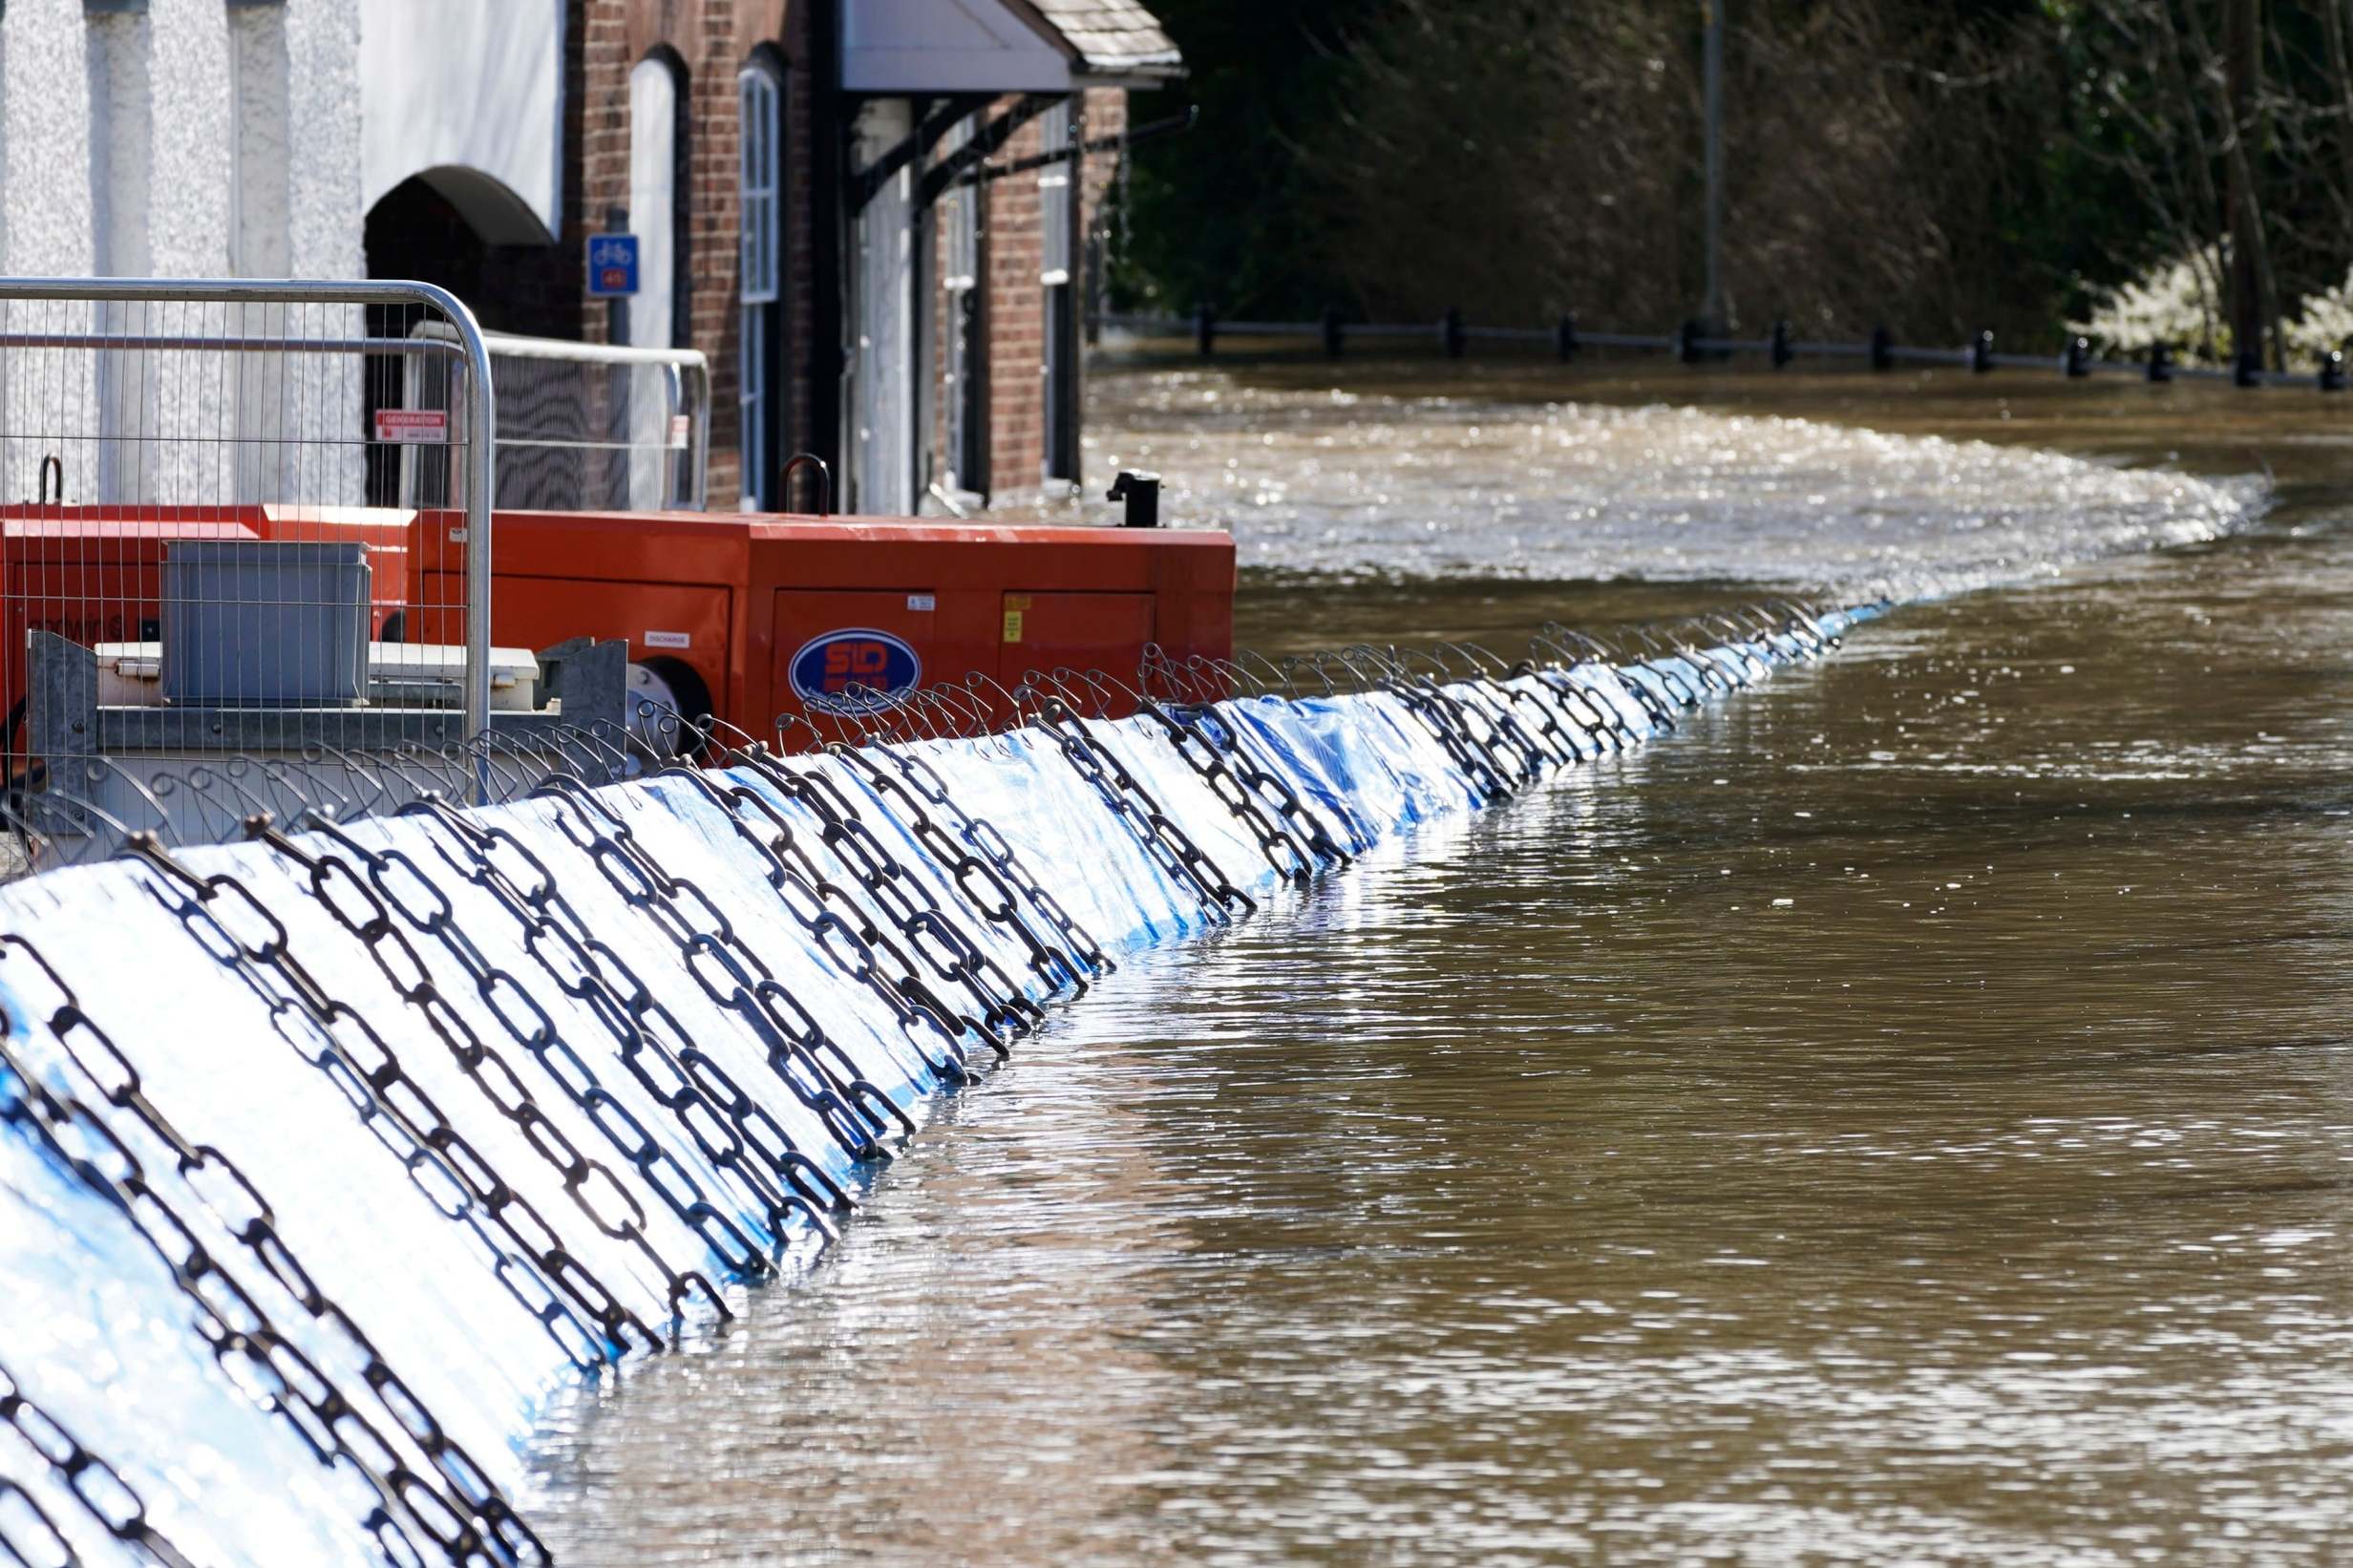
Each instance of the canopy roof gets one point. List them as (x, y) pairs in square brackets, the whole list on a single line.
[(893, 46)]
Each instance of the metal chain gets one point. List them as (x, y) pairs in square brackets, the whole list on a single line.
[(799, 1051), (242, 1336), (52, 1550), (1169, 847), (619, 1217), (1271, 787), (534, 1028), (726, 1123), (981, 865), (97, 1485), (248, 1220), (555, 1287), (953, 957), (1284, 853)]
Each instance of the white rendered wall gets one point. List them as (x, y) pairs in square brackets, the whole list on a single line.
[(475, 84), (159, 141), (45, 146)]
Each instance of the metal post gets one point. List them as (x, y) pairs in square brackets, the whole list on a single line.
[(1141, 491), (616, 308), (1712, 55), (1981, 351), (1331, 332), (481, 485), (1205, 328), (1564, 338), (1450, 332)]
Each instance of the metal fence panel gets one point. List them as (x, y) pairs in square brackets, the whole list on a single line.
[(204, 544), (584, 426)]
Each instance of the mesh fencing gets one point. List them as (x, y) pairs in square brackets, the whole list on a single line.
[(233, 519)]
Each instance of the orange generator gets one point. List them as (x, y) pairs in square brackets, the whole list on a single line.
[(748, 617), (753, 617)]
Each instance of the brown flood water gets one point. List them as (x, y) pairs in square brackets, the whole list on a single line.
[(1907, 1115)]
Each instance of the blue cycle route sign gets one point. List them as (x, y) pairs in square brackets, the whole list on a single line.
[(612, 266)]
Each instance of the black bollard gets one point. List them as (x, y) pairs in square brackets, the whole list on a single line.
[(1450, 332), (2076, 361), (1564, 338), (2161, 362), (2247, 367), (1780, 349), (1882, 349), (1141, 491), (1981, 351), (1205, 328), (1331, 332), (2332, 371)]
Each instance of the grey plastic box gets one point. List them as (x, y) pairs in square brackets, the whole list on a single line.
[(249, 622)]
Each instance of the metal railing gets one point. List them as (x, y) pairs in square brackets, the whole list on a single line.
[(1693, 344), (586, 426), (199, 549)]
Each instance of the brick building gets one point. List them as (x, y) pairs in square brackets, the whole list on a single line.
[(864, 212), (874, 216)]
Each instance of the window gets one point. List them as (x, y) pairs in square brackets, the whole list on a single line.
[(760, 99), (960, 275), (1057, 204)]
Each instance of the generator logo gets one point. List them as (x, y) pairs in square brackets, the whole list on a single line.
[(859, 671)]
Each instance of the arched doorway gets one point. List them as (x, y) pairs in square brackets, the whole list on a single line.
[(464, 231)]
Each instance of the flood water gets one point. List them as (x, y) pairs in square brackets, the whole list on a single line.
[(1907, 1115)]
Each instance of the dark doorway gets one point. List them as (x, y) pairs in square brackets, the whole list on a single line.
[(464, 232)]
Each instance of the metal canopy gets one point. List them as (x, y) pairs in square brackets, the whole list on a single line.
[(894, 48), (909, 47)]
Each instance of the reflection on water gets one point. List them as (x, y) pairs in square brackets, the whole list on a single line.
[(1906, 1116), (1328, 480)]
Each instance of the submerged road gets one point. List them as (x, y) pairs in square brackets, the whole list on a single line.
[(1906, 1115)]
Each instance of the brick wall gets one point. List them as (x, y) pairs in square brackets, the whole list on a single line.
[(709, 41), (1012, 243)]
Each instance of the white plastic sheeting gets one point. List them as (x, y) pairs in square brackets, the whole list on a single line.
[(402, 1125)]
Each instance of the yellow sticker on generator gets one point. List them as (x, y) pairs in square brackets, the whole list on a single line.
[(1012, 626)]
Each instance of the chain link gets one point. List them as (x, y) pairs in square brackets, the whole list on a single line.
[(97, 1485), (570, 1304), (237, 1206)]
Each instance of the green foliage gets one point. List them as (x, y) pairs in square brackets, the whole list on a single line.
[(1936, 164), (1220, 214)]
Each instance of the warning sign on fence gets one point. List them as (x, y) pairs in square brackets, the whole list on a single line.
[(413, 427)]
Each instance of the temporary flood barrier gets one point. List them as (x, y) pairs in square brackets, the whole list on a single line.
[(329, 1154)]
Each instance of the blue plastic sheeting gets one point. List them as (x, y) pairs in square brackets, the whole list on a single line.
[(325, 1159)]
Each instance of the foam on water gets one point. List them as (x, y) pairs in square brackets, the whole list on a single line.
[(1358, 484)]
